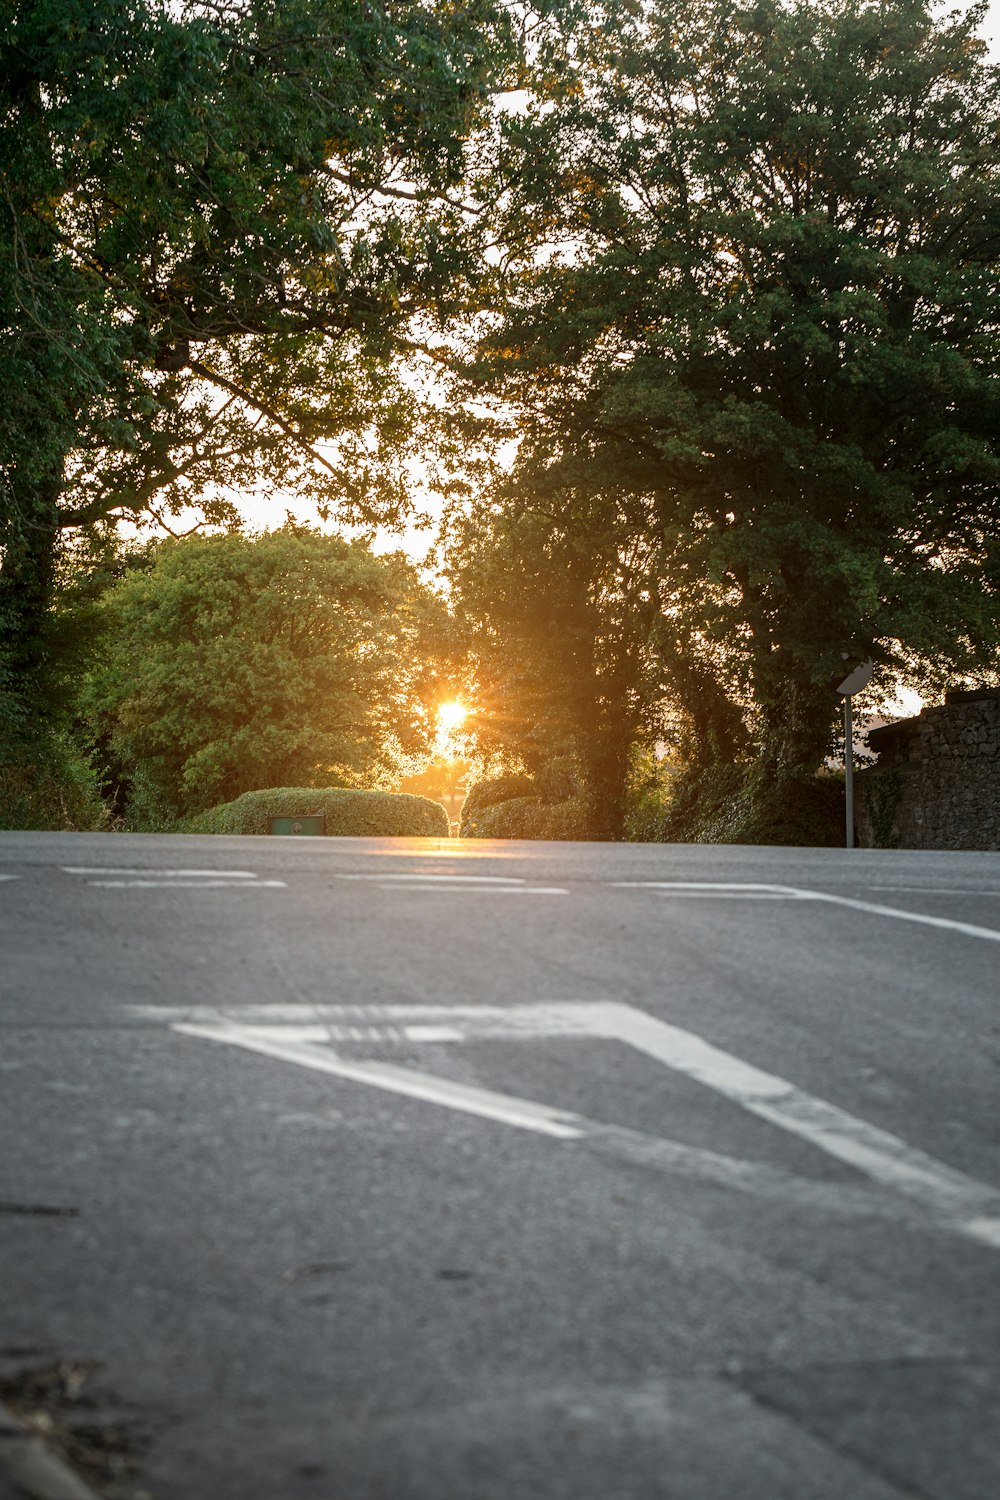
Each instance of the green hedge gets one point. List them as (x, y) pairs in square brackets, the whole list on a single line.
[(347, 813), (499, 809), (488, 794)]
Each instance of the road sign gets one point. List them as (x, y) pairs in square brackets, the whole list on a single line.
[(856, 680), (304, 825)]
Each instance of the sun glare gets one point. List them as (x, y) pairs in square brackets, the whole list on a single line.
[(451, 716)]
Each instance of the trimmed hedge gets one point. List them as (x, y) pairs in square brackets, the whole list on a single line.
[(489, 793), (348, 813), (509, 807)]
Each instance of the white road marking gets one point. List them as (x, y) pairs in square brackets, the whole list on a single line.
[(493, 890), (967, 929), (158, 874), (792, 893), (967, 1205), (727, 895), (464, 879), (933, 890), (523, 1113), (734, 887), (672, 1157), (10, 877), (187, 885), (947, 1196), (389, 1022)]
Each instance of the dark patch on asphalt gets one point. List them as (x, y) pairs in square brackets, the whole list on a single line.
[(316, 1268), (54, 1403), (42, 1210)]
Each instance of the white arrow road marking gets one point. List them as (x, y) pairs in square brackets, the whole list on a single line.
[(474, 1101), (324, 1022), (671, 1157), (947, 1193), (949, 1197), (792, 893)]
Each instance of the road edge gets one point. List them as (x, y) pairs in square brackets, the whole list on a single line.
[(39, 1474)]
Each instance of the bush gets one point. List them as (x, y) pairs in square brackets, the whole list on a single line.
[(735, 804), (490, 792), (522, 817), (46, 783), (347, 813)]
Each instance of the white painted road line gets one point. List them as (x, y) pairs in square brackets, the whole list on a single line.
[(791, 893), (188, 885), (523, 1113), (947, 1196), (492, 885), (424, 876), (733, 887), (481, 890), (10, 877), (387, 1022), (158, 874), (967, 929), (965, 1204), (934, 890), (674, 1158)]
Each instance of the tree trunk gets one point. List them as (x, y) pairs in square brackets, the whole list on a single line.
[(605, 761)]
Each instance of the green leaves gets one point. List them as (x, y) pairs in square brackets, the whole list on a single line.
[(290, 659), (766, 314), (220, 229)]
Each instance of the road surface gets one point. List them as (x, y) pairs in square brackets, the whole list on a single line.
[(412, 1170)]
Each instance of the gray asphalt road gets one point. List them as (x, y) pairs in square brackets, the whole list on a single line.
[(392, 1170)]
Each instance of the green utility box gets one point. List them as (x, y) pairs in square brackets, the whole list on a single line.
[(301, 826)]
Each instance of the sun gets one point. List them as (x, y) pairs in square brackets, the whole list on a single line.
[(451, 716)]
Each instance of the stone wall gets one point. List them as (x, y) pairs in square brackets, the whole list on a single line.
[(937, 781)]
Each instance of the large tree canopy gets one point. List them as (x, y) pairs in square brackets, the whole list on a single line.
[(220, 227), (761, 296), (290, 659)]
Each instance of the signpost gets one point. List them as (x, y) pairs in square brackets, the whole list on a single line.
[(852, 683)]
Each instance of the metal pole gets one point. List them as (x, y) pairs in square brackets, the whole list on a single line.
[(849, 771)]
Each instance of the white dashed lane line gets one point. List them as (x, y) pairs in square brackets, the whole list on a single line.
[(493, 885), (147, 879), (426, 877), (186, 885)]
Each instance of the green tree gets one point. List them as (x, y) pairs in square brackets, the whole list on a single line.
[(222, 228), (237, 663), (768, 309)]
